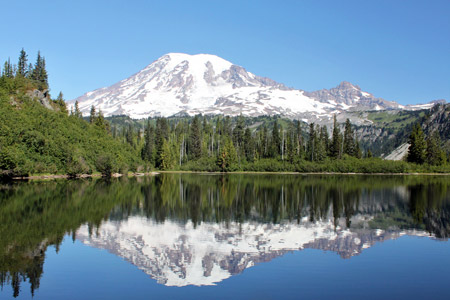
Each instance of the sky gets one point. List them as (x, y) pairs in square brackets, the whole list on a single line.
[(397, 50)]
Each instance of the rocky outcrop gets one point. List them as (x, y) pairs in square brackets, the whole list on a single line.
[(42, 97)]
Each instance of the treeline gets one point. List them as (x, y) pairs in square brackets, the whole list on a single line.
[(207, 143), (36, 73), (425, 149)]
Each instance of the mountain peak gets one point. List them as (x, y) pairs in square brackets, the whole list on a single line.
[(196, 60), (179, 83), (348, 85)]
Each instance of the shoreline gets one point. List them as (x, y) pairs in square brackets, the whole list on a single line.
[(96, 175), (154, 173)]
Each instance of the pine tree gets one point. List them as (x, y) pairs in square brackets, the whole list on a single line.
[(92, 115), (299, 139), (325, 138), (312, 143), (358, 152), (265, 142), (129, 137), (77, 112), (349, 141), (61, 103), (227, 158), (238, 133), (30, 71), (22, 65), (161, 134), (291, 143), (227, 127), (195, 139), (101, 122), (434, 154), (417, 146), (249, 145), (8, 69), (275, 145), (336, 142), (167, 158), (40, 73), (320, 143), (147, 150)]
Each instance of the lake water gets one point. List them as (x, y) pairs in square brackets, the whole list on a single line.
[(240, 236)]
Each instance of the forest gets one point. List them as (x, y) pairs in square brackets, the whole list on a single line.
[(40, 135)]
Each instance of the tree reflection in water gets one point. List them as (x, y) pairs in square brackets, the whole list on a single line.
[(36, 214)]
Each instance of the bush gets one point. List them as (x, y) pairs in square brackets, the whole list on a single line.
[(77, 166), (105, 165), (205, 164)]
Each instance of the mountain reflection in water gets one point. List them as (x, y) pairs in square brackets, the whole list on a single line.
[(186, 229)]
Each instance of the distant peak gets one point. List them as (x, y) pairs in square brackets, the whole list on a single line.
[(192, 56), (348, 85)]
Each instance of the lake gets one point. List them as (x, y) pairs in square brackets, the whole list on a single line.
[(214, 236)]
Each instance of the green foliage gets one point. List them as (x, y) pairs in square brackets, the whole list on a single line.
[(349, 146), (417, 146), (34, 139), (434, 154), (195, 139), (336, 142), (227, 158)]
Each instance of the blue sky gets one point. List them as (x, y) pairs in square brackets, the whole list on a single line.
[(397, 50)]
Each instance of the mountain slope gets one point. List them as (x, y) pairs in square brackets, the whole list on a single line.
[(37, 137), (190, 84)]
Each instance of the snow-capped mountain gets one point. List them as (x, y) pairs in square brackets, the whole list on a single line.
[(180, 83), (180, 254)]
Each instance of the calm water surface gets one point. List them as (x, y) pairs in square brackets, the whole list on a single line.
[(194, 236)]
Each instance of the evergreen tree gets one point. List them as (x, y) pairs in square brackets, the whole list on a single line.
[(417, 146), (195, 139), (147, 150), (92, 115), (227, 127), (299, 139), (358, 152), (40, 73), (77, 112), (275, 146), (291, 143), (30, 71), (227, 158), (61, 103), (22, 65), (369, 154), (167, 159), (434, 154), (238, 133), (101, 122), (349, 141), (8, 69), (129, 137), (320, 143), (265, 142), (324, 138), (312, 143), (249, 145), (161, 134), (336, 142)]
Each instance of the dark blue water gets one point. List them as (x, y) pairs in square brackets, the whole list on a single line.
[(232, 237)]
